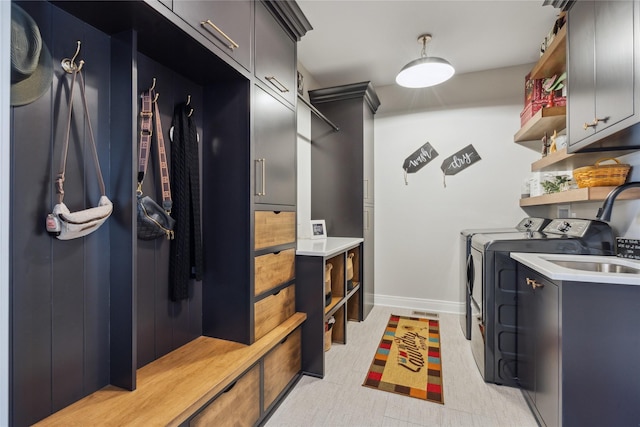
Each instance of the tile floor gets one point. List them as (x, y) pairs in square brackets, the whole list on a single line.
[(340, 399)]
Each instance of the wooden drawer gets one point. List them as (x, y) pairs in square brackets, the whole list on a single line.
[(280, 366), (274, 269), (239, 406), (274, 228), (271, 311)]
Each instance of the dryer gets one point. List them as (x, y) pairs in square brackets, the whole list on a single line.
[(530, 223)]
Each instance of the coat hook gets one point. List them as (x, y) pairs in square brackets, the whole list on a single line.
[(153, 86), (190, 113), (69, 65), (188, 99), (155, 99)]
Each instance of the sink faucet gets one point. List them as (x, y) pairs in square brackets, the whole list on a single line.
[(604, 213)]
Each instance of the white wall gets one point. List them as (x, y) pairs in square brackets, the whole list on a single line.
[(303, 151), (418, 225)]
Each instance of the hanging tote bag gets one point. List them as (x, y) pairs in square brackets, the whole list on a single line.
[(62, 223), (153, 220)]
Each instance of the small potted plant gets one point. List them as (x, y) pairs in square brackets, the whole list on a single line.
[(553, 84)]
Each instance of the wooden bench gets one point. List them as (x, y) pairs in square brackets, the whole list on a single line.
[(170, 390)]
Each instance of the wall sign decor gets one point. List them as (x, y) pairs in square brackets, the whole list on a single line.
[(459, 161), (418, 159)]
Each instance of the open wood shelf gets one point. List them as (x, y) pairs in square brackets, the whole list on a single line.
[(333, 305), (561, 160), (547, 119), (591, 194), (554, 59)]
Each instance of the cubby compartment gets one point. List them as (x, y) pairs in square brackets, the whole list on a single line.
[(311, 262), (337, 281)]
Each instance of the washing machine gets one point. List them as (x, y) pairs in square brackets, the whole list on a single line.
[(529, 223), (494, 296)]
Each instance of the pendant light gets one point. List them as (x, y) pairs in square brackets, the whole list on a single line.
[(425, 71)]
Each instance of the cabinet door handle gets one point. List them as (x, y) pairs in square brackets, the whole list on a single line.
[(264, 177), (232, 45), (262, 163), (534, 284), (282, 88), (594, 123)]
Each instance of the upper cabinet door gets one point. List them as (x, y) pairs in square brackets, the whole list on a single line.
[(602, 58), (614, 61), (275, 55), (275, 151), (227, 24)]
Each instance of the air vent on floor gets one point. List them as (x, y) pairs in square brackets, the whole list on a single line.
[(424, 314)]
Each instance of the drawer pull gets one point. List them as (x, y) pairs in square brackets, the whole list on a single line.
[(534, 284), (277, 253), (276, 293), (594, 123), (229, 387), (282, 88), (284, 340), (232, 45)]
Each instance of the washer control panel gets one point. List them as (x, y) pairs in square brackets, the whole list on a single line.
[(568, 226)]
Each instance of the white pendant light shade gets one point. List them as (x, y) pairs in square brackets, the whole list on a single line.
[(425, 71)]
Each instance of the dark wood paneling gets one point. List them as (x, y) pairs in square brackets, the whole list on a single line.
[(60, 289), (337, 168), (164, 325), (310, 300), (31, 255), (227, 229), (123, 250)]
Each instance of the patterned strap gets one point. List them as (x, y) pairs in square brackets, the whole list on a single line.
[(146, 132)]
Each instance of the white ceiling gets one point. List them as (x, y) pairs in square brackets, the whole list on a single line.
[(371, 40)]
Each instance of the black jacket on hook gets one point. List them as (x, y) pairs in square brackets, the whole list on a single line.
[(186, 248)]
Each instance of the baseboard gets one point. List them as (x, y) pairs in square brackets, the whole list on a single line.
[(419, 304)]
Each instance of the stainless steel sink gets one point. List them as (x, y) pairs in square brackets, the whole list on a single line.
[(604, 267)]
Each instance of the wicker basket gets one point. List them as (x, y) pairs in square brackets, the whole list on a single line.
[(601, 175)]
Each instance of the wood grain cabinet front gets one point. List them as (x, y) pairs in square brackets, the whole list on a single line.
[(274, 228), (274, 269), (238, 405), (281, 365), (227, 24), (271, 311)]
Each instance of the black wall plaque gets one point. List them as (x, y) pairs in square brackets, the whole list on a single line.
[(419, 158), (460, 160)]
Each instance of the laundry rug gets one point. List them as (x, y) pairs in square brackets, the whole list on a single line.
[(408, 361)]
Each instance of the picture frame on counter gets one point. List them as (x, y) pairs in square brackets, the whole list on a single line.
[(318, 229)]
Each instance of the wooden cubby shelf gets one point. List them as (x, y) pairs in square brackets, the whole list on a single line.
[(554, 59), (547, 119), (591, 194), (346, 304), (561, 160), (552, 62)]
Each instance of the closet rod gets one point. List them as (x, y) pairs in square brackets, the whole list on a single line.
[(318, 113)]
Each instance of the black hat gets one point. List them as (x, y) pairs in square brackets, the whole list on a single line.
[(31, 65)]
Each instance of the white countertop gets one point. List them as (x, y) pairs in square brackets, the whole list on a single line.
[(542, 263), (326, 247)]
